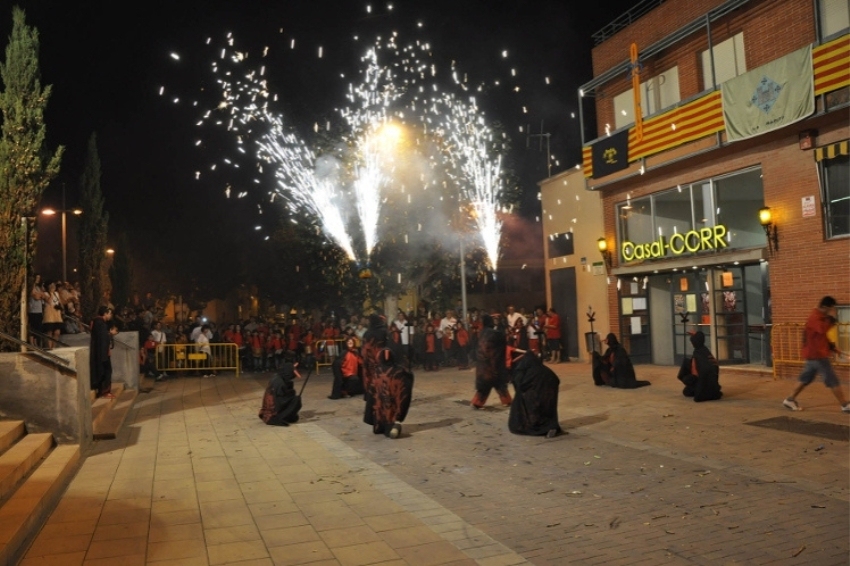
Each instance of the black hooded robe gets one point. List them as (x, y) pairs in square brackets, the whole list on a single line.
[(100, 364), (490, 367), (280, 403), (390, 396), (614, 367), (700, 373), (534, 410)]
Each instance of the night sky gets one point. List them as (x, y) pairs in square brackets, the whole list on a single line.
[(107, 64)]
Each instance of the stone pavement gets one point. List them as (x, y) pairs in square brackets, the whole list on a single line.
[(643, 477)]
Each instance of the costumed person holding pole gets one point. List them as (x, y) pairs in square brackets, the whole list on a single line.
[(280, 403), (614, 367), (391, 392), (490, 368)]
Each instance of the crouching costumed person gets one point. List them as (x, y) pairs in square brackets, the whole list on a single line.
[(388, 396), (534, 410), (490, 369), (280, 403), (700, 373), (614, 367), (348, 373)]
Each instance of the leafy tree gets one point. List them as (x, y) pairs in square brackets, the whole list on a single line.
[(121, 273), (92, 233), (26, 166)]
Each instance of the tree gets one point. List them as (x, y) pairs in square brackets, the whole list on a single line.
[(26, 166), (121, 273), (92, 233)]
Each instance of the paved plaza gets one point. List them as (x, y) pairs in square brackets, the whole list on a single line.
[(643, 476)]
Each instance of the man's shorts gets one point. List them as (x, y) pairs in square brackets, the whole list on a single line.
[(822, 366)]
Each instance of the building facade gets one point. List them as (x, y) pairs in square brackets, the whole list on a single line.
[(721, 159)]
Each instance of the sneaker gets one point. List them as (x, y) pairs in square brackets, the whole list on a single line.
[(395, 431), (793, 405), (846, 408)]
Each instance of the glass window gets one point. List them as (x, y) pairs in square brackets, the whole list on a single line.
[(843, 315), (729, 61), (635, 218), (703, 204), (560, 245), (657, 93), (673, 213), (836, 195), (739, 198), (834, 17)]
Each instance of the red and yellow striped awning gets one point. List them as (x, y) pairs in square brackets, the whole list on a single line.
[(704, 116)]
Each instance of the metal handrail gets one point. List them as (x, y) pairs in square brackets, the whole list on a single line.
[(45, 337), (41, 351)]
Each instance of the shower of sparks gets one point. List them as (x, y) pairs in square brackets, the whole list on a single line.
[(400, 88)]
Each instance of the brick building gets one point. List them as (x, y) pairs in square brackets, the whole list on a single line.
[(743, 111)]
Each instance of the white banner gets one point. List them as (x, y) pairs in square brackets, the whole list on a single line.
[(772, 96)]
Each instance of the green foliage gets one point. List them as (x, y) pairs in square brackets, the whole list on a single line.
[(26, 167), (92, 233)]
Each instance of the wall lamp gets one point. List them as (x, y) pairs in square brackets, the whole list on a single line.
[(602, 244), (770, 229)]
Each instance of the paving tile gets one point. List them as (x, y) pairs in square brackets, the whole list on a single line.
[(228, 553), (176, 550), (107, 532), (117, 548), (300, 553), (68, 544), (187, 531), (289, 535), (67, 559), (240, 533), (363, 554)]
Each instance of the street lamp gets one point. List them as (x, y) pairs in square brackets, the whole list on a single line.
[(63, 212)]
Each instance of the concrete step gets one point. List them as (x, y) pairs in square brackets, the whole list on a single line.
[(20, 459), (43, 472), (10, 433), (101, 407), (110, 418)]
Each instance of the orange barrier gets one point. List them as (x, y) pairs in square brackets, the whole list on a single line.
[(786, 341)]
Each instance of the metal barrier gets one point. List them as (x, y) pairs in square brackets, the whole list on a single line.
[(786, 341), (326, 351), (188, 357)]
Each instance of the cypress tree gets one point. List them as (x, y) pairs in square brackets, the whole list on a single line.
[(92, 234), (26, 166)]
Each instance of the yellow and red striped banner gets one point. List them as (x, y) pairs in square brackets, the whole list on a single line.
[(704, 116)]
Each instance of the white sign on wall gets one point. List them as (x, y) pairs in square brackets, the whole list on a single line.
[(809, 207)]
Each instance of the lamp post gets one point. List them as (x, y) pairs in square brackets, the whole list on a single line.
[(63, 212)]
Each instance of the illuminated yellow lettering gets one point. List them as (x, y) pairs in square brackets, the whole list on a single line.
[(639, 252), (719, 239), (628, 251), (705, 238), (692, 236), (674, 239), (657, 247)]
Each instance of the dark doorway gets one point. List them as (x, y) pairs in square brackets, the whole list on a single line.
[(564, 300)]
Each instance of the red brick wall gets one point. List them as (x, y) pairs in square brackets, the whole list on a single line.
[(772, 28)]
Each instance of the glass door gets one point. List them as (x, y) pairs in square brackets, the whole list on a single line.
[(635, 334), (730, 316), (690, 296)]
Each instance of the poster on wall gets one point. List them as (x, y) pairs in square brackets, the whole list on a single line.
[(635, 325), (809, 207), (679, 304), (627, 305)]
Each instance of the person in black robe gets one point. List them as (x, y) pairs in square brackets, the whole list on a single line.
[(389, 396), (534, 410), (490, 367), (280, 403), (100, 362), (348, 373), (614, 367), (700, 373), (374, 340)]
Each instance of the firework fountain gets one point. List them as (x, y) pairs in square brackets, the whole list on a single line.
[(403, 89)]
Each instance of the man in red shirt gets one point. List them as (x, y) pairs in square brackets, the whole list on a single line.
[(816, 352), (553, 335)]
